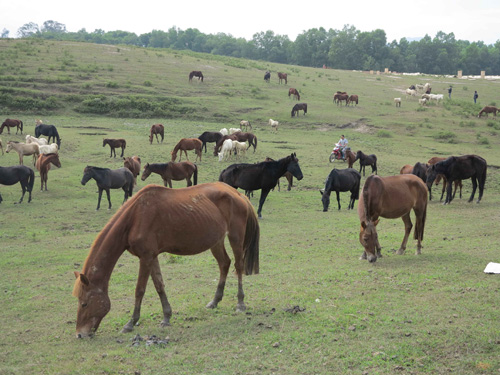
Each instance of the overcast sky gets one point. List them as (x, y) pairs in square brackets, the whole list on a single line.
[(472, 20)]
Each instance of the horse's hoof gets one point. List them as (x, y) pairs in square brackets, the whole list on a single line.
[(241, 308), (211, 305), (127, 328), (165, 323)]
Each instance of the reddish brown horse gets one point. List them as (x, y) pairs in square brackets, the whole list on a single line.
[(114, 143), (187, 144), (283, 77), (156, 129), (199, 219), (133, 163), (406, 169), (350, 157), (43, 166), (294, 92), (172, 171), (195, 73), (391, 197), (488, 109), (12, 123), (439, 177), (353, 99), (339, 97)]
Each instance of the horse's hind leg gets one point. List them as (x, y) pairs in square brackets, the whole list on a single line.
[(474, 187), (160, 289), (99, 199), (220, 254), (408, 226), (123, 150)]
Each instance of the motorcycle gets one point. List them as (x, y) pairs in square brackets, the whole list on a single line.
[(336, 154)]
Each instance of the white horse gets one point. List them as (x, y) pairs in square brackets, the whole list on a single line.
[(436, 97), (398, 102), (23, 149), (49, 149), (245, 124), (274, 125), (225, 150), (223, 131), (234, 130), (427, 86), (40, 141), (239, 148), (422, 101)]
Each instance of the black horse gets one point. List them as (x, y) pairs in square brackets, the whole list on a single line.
[(49, 131), (267, 76), (106, 179), (420, 170), (15, 174), (460, 168), (208, 137), (365, 160), (299, 107), (341, 180), (264, 175)]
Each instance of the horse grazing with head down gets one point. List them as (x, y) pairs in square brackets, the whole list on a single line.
[(49, 131), (12, 123), (352, 99), (294, 93), (439, 177), (391, 197), (187, 144), (283, 77), (365, 160), (196, 73), (488, 109), (156, 129), (267, 76), (133, 164), (142, 228), (244, 137), (245, 124), (340, 96), (113, 144), (209, 137), (299, 107), (43, 166), (18, 173), (183, 170), (460, 168), (264, 175), (341, 180)]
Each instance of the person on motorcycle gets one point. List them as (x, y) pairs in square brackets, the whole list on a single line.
[(343, 145)]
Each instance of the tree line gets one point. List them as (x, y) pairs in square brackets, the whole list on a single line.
[(348, 48)]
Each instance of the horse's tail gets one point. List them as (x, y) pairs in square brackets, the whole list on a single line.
[(251, 241), (255, 147), (31, 181), (420, 224), (21, 126), (195, 175)]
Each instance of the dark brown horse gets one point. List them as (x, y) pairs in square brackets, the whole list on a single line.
[(218, 144), (439, 177), (43, 166), (244, 137), (201, 218), (299, 107), (391, 197), (209, 137), (133, 164), (283, 77), (196, 73), (340, 96), (114, 143), (365, 160), (294, 93), (12, 123), (187, 144), (172, 171), (287, 175), (488, 109), (156, 129), (18, 173), (340, 180), (353, 99)]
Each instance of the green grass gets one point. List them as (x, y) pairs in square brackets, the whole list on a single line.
[(432, 314)]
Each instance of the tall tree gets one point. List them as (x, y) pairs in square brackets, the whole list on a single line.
[(27, 30), (53, 27)]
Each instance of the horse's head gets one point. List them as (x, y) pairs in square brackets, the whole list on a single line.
[(9, 146), (368, 238), (87, 175), (105, 142), (294, 167), (146, 172), (93, 305), (325, 198), (174, 155), (55, 160)]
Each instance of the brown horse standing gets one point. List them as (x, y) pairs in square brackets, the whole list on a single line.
[(487, 109), (391, 197), (186, 144), (154, 131), (43, 166), (350, 157), (294, 92), (340, 96), (172, 171), (115, 143), (133, 163), (11, 123), (283, 77), (457, 183), (196, 73), (142, 227)]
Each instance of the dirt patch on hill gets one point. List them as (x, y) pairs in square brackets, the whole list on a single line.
[(360, 126)]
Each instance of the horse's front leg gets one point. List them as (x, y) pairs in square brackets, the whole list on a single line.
[(338, 198), (408, 226), (160, 289), (140, 289), (99, 199), (109, 199), (220, 254), (263, 196), (123, 150)]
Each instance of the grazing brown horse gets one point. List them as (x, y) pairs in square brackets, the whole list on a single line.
[(156, 129), (293, 92), (23, 149), (487, 109), (283, 77), (172, 171), (352, 99), (196, 73), (115, 143), (133, 163), (11, 123), (340, 96), (43, 166), (185, 221), (186, 144), (406, 169), (391, 197), (439, 177)]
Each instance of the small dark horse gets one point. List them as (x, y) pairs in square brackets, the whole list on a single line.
[(209, 137), (460, 168), (114, 143), (365, 160), (299, 107), (49, 131), (196, 73), (172, 171), (106, 179), (420, 170), (341, 180), (264, 175), (283, 77), (267, 76), (15, 174), (11, 123), (156, 129)]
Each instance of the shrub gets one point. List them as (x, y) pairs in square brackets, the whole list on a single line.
[(446, 136), (148, 83), (384, 134)]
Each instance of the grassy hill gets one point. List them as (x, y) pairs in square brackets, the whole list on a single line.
[(436, 313)]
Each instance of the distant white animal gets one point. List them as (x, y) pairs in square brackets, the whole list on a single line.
[(239, 148), (49, 149), (234, 130), (422, 101), (427, 86), (410, 92), (245, 124), (419, 87), (40, 141), (436, 97), (426, 96), (274, 125), (224, 131), (398, 102), (225, 150)]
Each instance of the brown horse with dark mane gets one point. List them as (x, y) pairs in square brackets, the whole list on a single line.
[(143, 228), (352, 99), (283, 77), (172, 171), (114, 143), (187, 144), (196, 73), (294, 93), (133, 164), (391, 197), (43, 166), (488, 109), (156, 129), (12, 123)]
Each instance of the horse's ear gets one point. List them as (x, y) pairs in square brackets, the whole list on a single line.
[(85, 281), (363, 224), (321, 192)]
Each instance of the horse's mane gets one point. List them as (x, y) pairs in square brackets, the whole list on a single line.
[(99, 168)]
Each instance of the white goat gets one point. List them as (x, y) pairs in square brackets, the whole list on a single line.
[(422, 101), (398, 102), (410, 92)]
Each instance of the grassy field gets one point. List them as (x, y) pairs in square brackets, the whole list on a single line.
[(315, 308)]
